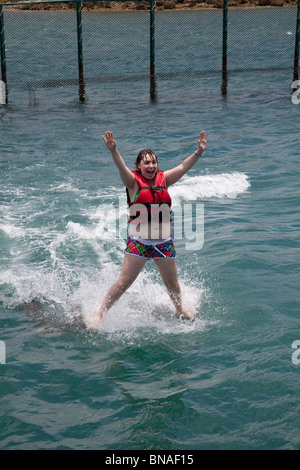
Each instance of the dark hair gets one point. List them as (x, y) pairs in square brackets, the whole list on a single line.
[(142, 154)]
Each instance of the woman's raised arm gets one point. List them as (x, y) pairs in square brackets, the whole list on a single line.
[(127, 176), (173, 175)]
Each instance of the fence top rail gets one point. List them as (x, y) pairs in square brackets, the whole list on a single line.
[(37, 2)]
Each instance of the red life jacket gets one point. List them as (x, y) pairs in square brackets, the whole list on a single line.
[(150, 196)]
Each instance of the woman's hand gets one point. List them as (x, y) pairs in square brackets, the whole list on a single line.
[(202, 142), (127, 176), (109, 141)]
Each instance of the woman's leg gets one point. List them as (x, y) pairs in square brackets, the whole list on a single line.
[(168, 272), (132, 266)]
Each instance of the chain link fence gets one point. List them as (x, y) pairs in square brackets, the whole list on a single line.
[(63, 52)]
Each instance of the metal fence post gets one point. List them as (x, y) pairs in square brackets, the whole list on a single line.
[(224, 49), (296, 55), (3, 88), (80, 54), (153, 94)]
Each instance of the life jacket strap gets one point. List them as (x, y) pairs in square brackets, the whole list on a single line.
[(154, 188)]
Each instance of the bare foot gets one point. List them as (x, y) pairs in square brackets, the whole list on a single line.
[(94, 323), (190, 313)]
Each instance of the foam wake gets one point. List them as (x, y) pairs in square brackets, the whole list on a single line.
[(223, 185)]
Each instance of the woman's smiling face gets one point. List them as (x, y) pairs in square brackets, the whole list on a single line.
[(148, 166)]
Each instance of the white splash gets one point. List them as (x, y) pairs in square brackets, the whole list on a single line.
[(11, 230), (224, 185)]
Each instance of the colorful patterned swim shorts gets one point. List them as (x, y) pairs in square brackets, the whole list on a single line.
[(158, 250)]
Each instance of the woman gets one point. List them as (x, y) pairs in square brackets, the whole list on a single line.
[(149, 223)]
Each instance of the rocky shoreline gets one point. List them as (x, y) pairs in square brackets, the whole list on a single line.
[(160, 5)]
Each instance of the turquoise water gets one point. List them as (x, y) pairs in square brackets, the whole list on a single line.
[(42, 47), (148, 380)]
